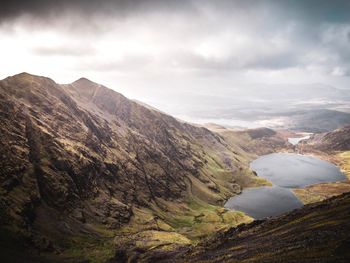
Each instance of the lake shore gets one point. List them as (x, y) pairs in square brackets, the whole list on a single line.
[(293, 190)]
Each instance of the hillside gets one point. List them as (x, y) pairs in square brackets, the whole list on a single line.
[(315, 233), (258, 141), (337, 140), (87, 174), (82, 164)]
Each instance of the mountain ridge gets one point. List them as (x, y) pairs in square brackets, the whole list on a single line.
[(83, 155)]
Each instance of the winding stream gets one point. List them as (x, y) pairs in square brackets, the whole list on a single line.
[(285, 171)]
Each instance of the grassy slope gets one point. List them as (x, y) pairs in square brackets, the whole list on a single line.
[(315, 233)]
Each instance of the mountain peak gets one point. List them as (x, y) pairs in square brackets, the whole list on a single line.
[(26, 75), (84, 81), (30, 79), (23, 74)]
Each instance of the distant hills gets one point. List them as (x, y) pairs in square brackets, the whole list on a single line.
[(315, 120), (309, 108)]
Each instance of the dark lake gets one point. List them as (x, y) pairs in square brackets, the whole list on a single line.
[(285, 171), (264, 201)]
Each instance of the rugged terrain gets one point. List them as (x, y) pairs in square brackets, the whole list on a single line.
[(87, 174), (315, 233), (82, 164), (337, 140)]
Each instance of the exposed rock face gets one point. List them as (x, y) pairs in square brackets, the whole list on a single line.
[(81, 154)]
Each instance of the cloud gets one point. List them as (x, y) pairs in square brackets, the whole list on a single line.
[(63, 50), (176, 39), (47, 9), (312, 10), (339, 71)]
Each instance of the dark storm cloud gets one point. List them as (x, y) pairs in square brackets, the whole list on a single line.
[(332, 11), (193, 35), (42, 9), (312, 10)]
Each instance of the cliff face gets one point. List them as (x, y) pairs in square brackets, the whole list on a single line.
[(78, 156)]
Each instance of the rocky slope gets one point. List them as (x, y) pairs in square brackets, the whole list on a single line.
[(88, 175), (81, 164), (315, 233), (337, 140)]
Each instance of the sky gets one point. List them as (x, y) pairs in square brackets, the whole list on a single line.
[(161, 51)]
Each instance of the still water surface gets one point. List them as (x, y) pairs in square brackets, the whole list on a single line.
[(295, 170), (264, 201), (285, 171)]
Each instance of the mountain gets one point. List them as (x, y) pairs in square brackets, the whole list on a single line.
[(82, 164), (87, 175)]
